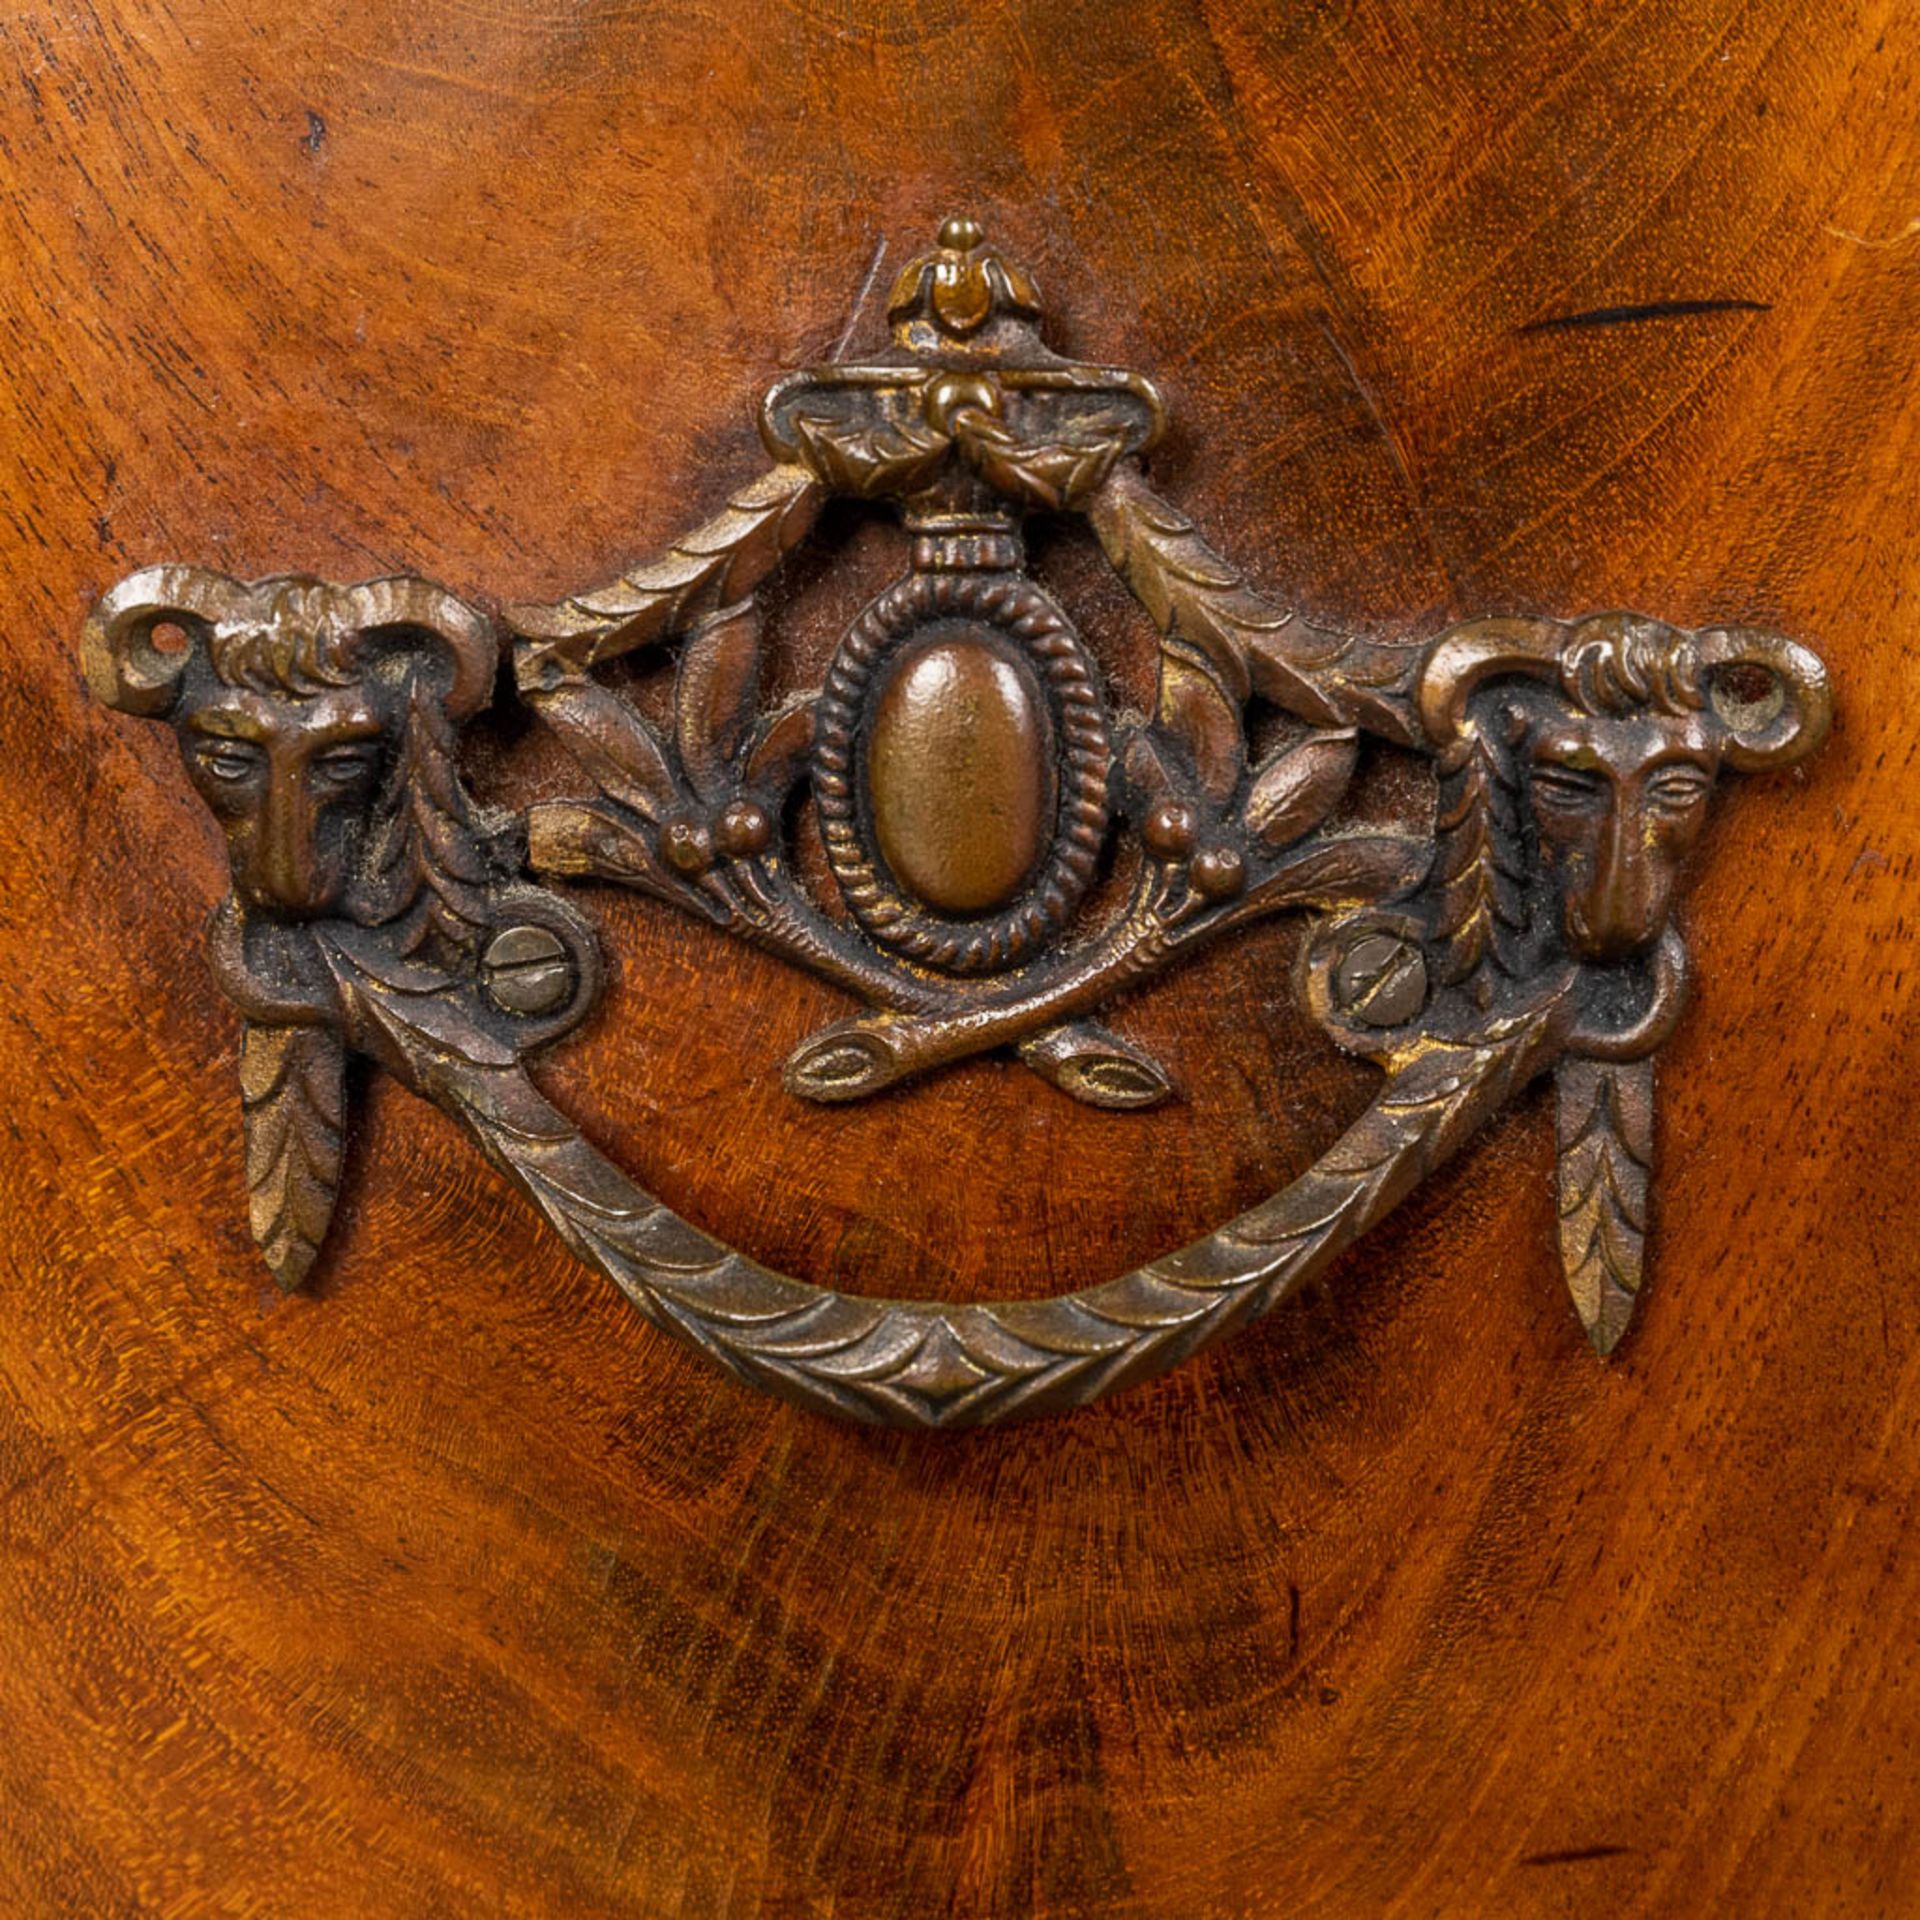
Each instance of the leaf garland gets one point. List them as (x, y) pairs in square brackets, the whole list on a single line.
[(1208, 616), (718, 563)]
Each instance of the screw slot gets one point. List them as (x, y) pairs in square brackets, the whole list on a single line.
[(527, 969), (1381, 980)]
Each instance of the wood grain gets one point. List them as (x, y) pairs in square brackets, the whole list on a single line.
[(453, 1588)]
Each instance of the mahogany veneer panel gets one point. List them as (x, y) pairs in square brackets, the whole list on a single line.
[(453, 1587)]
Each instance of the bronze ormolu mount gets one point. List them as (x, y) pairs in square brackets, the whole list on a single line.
[(969, 780)]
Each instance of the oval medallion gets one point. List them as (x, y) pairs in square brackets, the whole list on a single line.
[(960, 772), (960, 769)]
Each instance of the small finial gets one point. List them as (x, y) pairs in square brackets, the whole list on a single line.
[(946, 297)]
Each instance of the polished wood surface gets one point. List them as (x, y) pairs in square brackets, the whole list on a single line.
[(453, 1588)]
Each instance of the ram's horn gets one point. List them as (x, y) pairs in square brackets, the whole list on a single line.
[(468, 636), (123, 666), (1482, 650), (1789, 720)]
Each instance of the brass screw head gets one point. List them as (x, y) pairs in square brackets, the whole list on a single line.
[(527, 970), (1381, 980)]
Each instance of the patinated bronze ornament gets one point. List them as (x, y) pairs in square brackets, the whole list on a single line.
[(970, 784)]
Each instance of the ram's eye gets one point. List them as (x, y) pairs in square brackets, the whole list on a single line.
[(1568, 787), (229, 760), (346, 765), (1675, 789)]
